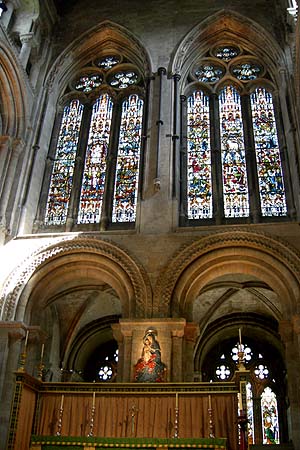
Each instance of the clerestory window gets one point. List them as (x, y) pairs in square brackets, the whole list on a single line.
[(94, 164), (233, 168)]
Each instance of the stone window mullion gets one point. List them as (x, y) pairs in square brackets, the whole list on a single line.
[(217, 180)]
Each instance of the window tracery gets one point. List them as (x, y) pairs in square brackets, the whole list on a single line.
[(238, 174), (91, 177)]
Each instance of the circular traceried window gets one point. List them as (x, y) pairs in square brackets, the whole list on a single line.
[(208, 72), (108, 62), (89, 82), (246, 71), (226, 52), (123, 79)]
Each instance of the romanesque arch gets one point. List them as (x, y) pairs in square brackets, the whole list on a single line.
[(106, 261), (273, 261)]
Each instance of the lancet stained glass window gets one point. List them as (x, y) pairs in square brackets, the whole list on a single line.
[(271, 185), (234, 169), (62, 175), (235, 185), (94, 177), (269, 417), (199, 157), (127, 171), (93, 182)]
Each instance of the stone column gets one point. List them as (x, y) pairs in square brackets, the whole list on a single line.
[(177, 344), (191, 333), (15, 150), (5, 154), (116, 329), (290, 334), (11, 336), (28, 42)]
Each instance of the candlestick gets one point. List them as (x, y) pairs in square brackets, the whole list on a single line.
[(240, 338), (176, 401), (42, 351), (26, 339), (94, 398), (62, 401), (209, 402)]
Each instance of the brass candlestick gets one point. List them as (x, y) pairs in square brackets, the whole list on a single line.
[(23, 357), (92, 421), (60, 416)]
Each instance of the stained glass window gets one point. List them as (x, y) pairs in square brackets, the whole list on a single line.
[(108, 62), (250, 413), (92, 188), (88, 83), (235, 184), (226, 52), (199, 157), (209, 72), (123, 79), (271, 184), (269, 417), (127, 171), (62, 175), (246, 71)]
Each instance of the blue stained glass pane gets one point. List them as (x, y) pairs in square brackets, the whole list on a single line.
[(63, 168), (209, 72), (227, 52), (199, 157), (108, 62), (235, 184), (246, 71), (271, 185), (127, 170), (95, 162)]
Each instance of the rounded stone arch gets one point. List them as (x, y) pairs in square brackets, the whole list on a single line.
[(106, 260), (230, 27), (12, 96), (272, 261)]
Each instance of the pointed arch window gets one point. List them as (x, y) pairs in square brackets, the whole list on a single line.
[(265, 390), (234, 168), (93, 172)]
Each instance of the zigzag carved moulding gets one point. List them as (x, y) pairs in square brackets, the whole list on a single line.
[(265, 244), (135, 271)]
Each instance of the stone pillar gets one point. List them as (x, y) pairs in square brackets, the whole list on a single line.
[(116, 329), (290, 334), (177, 344), (15, 150), (11, 336), (5, 154), (28, 42), (191, 333)]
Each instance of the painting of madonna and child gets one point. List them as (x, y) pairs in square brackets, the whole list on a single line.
[(150, 368)]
